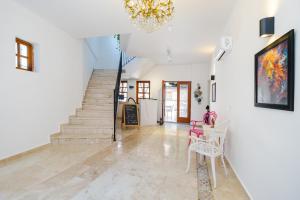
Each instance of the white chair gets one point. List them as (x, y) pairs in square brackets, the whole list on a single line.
[(211, 145)]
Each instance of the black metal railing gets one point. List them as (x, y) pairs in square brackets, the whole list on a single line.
[(124, 60)]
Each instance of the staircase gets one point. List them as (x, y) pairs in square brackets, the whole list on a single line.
[(93, 123)]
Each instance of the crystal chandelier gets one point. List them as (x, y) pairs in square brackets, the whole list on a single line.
[(149, 15)]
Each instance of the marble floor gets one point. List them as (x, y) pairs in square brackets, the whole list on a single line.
[(146, 163)]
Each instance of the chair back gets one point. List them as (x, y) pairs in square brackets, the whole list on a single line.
[(217, 135), (209, 118)]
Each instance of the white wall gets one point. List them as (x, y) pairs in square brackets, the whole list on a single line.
[(137, 68), (106, 50), (263, 144), (34, 104), (89, 63), (197, 73)]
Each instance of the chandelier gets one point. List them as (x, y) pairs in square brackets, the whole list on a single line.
[(149, 15)]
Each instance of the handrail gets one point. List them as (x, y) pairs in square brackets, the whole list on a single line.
[(124, 60)]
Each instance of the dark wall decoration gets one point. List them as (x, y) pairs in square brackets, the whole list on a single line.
[(198, 94)]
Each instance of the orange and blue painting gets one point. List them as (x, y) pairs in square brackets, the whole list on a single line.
[(272, 76)]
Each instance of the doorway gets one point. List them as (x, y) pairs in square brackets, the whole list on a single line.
[(176, 101)]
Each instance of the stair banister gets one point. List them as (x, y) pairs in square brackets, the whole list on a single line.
[(124, 60), (116, 95)]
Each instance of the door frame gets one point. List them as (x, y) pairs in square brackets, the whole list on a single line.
[(163, 90), (179, 120)]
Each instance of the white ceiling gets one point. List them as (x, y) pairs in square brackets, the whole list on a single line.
[(196, 26)]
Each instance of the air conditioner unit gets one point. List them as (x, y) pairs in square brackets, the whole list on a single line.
[(226, 45)]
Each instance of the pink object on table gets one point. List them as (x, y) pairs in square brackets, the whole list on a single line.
[(209, 118)]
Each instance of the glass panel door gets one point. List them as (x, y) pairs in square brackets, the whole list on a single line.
[(184, 102), (170, 102)]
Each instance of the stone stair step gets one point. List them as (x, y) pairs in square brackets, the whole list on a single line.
[(98, 107), (107, 96), (90, 121), (95, 111), (81, 123), (81, 129), (98, 100), (60, 138), (103, 82), (105, 71), (93, 103), (103, 78), (85, 113), (99, 91), (101, 86)]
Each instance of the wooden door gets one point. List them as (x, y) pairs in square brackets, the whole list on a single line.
[(183, 101)]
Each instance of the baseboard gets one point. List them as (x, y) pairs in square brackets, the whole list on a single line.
[(240, 180), (9, 159)]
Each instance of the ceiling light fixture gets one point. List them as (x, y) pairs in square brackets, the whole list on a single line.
[(149, 15), (169, 55)]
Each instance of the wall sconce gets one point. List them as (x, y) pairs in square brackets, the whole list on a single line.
[(267, 27)]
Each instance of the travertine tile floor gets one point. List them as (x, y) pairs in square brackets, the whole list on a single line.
[(147, 164)]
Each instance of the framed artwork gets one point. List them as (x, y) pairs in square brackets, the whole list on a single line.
[(275, 74), (213, 92)]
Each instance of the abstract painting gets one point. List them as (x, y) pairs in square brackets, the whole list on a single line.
[(274, 74)]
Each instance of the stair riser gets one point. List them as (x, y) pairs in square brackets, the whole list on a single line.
[(104, 71), (97, 96), (103, 79), (98, 100), (98, 108), (101, 86), (92, 122), (98, 115), (111, 73), (103, 102), (103, 82), (103, 112), (98, 104), (80, 140), (65, 130), (100, 91), (97, 86), (108, 77)]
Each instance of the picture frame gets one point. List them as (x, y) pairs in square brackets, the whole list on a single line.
[(275, 74), (213, 92)]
